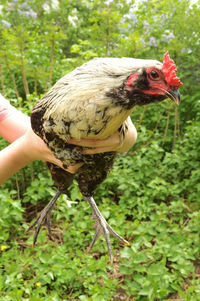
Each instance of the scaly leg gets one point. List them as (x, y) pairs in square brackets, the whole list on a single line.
[(102, 227), (44, 216)]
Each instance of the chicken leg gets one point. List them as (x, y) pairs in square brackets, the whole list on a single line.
[(102, 227), (44, 216)]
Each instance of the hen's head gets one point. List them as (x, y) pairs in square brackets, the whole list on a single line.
[(154, 83)]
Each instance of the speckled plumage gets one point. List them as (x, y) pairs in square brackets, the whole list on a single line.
[(94, 101), (90, 102)]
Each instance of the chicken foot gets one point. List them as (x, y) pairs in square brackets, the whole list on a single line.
[(102, 227), (44, 216)]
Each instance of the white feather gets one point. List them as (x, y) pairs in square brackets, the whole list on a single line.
[(80, 97)]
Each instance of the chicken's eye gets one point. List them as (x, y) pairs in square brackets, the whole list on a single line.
[(154, 74)]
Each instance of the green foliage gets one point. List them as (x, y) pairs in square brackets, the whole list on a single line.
[(151, 196), (11, 215), (154, 204)]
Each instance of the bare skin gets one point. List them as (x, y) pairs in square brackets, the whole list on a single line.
[(26, 146)]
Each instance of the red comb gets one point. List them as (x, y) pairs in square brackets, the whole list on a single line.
[(169, 71)]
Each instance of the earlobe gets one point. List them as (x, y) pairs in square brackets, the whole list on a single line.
[(132, 78)]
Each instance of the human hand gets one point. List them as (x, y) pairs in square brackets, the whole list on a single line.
[(24, 150), (111, 144), (36, 149)]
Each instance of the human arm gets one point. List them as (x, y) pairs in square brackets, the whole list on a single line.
[(26, 146), (30, 147)]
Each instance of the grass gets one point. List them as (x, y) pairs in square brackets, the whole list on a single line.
[(151, 199)]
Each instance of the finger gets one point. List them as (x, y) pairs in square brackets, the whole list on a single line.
[(73, 168), (98, 150), (114, 140)]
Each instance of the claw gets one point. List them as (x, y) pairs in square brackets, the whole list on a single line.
[(44, 216), (102, 227)]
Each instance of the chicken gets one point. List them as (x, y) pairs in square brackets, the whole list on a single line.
[(94, 101)]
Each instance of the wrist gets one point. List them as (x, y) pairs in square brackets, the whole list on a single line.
[(12, 159)]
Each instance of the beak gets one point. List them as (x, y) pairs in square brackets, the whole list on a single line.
[(175, 96)]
